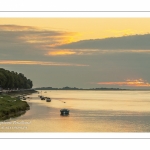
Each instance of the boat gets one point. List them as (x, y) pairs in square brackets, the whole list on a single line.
[(24, 98), (42, 98), (64, 112), (48, 99)]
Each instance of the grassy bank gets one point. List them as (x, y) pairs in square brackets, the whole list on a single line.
[(11, 106)]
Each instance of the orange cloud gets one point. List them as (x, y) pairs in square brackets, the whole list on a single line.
[(61, 52), (48, 38), (71, 52), (18, 62), (128, 82)]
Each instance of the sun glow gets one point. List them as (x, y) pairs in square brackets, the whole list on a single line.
[(128, 82), (61, 52)]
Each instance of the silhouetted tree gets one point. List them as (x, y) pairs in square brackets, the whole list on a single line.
[(14, 80)]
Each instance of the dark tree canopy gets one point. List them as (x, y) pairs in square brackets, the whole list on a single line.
[(14, 80)]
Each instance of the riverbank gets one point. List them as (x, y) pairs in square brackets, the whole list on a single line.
[(13, 106), (25, 91)]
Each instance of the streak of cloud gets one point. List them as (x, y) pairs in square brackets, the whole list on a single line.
[(16, 28), (21, 62), (128, 82), (58, 52), (35, 36)]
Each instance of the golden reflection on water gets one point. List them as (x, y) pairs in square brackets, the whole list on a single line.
[(90, 111), (101, 100)]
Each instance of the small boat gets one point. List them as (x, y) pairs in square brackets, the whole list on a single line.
[(48, 99), (64, 112), (42, 98)]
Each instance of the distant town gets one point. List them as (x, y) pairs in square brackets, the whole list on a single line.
[(75, 88)]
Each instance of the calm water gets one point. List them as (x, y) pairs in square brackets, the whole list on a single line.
[(90, 111)]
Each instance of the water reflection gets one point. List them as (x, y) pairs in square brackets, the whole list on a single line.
[(90, 111)]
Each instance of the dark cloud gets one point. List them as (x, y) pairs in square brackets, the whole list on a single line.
[(132, 42)]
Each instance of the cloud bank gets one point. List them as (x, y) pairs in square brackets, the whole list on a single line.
[(131, 42)]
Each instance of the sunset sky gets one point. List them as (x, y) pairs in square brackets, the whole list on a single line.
[(78, 52)]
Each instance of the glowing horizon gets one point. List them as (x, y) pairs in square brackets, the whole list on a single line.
[(128, 82)]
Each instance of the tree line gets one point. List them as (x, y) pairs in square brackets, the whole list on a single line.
[(14, 80)]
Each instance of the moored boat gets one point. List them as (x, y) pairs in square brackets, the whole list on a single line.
[(48, 99), (42, 98), (64, 112), (24, 98)]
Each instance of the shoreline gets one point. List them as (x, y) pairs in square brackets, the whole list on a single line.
[(18, 91), (12, 106), (92, 90)]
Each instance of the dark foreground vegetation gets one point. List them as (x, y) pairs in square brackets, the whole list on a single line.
[(11, 106), (14, 80), (13, 84)]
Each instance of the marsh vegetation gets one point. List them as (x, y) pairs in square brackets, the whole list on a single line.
[(11, 106)]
